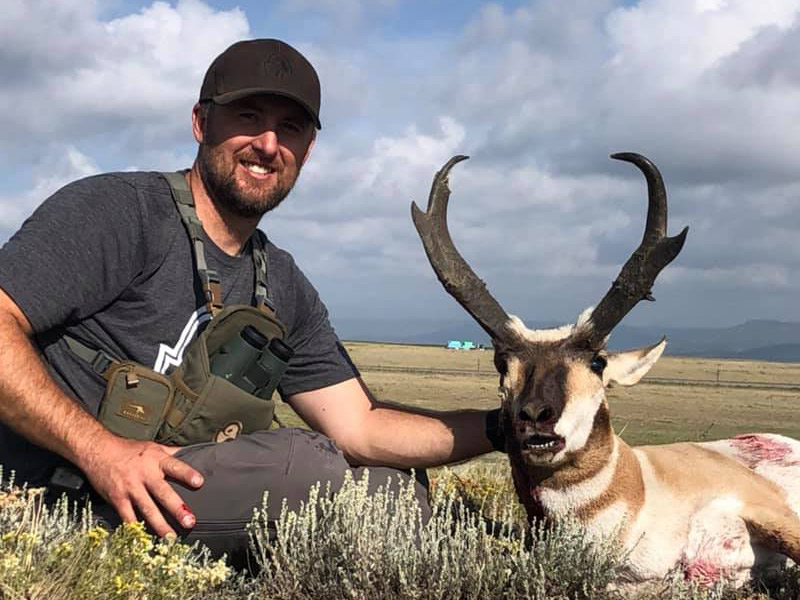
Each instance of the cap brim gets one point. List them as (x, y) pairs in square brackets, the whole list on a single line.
[(229, 97)]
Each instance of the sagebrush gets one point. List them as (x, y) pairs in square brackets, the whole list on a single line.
[(348, 545)]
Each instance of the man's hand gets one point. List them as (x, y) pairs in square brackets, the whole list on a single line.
[(132, 476)]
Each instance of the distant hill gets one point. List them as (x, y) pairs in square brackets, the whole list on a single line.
[(757, 339)]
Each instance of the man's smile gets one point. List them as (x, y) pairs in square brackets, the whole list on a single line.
[(257, 169)]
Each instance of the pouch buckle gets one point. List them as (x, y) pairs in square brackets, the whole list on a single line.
[(101, 362)]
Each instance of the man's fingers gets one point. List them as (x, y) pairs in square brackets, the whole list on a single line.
[(125, 510), (174, 504), (180, 471), (152, 514)]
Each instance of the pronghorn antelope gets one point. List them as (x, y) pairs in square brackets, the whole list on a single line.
[(716, 509)]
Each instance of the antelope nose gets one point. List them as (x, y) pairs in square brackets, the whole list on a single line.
[(540, 415)]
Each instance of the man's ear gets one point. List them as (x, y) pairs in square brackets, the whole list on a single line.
[(199, 118), (310, 146), (627, 368)]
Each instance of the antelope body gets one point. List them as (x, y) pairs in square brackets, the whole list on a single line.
[(717, 509)]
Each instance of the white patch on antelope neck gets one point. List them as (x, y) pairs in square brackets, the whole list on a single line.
[(577, 421), (564, 501), (556, 334)]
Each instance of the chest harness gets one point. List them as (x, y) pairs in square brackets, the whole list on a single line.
[(224, 385)]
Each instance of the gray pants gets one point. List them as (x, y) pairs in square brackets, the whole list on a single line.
[(284, 462)]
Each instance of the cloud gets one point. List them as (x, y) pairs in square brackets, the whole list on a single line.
[(538, 93), (63, 165), (121, 85), (120, 90)]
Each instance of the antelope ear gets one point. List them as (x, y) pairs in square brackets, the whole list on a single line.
[(627, 368)]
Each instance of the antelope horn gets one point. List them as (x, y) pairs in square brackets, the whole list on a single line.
[(656, 251), (452, 270)]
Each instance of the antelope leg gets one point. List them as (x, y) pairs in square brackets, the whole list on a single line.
[(776, 528)]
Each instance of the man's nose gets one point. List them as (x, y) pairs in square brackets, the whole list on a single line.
[(266, 142)]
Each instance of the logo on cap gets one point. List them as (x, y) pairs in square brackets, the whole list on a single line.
[(277, 66)]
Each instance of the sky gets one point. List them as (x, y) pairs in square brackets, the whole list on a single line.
[(537, 93)]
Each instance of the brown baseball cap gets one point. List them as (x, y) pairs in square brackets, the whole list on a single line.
[(263, 66)]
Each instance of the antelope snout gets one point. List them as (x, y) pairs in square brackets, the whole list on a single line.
[(542, 417)]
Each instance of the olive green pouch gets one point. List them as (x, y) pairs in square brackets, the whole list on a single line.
[(191, 405), (208, 408), (136, 401)]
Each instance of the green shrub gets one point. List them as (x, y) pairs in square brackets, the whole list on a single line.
[(53, 552), (349, 545), (353, 545)]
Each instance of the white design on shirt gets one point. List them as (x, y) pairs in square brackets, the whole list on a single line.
[(172, 356)]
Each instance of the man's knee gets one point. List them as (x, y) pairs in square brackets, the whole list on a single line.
[(285, 463)]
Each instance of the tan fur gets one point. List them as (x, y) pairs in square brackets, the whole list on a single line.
[(626, 487), (720, 475)]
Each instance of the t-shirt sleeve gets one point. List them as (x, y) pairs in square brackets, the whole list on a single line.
[(320, 359), (77, 252)]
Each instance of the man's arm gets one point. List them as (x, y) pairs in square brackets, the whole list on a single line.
[(129, 474), (373, 433)]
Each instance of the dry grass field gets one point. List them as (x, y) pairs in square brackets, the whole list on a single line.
[(679, 400)]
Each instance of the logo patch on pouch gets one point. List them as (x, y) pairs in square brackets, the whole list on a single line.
[(135, 411), (230, 432)]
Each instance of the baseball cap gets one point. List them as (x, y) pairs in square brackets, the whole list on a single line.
[(263, 66)]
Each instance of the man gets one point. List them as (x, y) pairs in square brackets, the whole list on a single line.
[(106, 261)]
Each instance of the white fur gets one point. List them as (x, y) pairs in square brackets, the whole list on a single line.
[(556, 334), (608, 521), (577, 420), (718, 536), (627, 368), (564, 501), (654, 537)]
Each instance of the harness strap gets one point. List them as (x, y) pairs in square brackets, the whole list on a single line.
[(263, 300), (212, 290), (100, 360), (209, 277)]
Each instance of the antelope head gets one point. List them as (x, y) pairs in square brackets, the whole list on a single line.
[(552, 382)]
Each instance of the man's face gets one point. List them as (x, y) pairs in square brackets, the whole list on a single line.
[(251, 151)]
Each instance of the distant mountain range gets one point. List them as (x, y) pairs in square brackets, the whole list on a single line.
[(757, 339)]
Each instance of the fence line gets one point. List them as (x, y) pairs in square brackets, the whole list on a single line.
[(723, 383)]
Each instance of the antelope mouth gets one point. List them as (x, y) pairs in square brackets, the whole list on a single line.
[(539, 443)]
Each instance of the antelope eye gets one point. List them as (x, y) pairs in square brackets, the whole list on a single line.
[(598, 364)]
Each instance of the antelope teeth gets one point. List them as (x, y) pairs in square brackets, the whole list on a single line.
[(550, 444), (538, 443)]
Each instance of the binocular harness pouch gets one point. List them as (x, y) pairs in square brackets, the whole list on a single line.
[(193, 405), (208, 407)]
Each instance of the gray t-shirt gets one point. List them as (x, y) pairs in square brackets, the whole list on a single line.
[(107, 260)]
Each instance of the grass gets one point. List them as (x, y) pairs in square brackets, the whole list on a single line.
[(352, 545)]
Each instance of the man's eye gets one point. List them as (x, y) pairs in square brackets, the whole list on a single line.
[(291, 126)]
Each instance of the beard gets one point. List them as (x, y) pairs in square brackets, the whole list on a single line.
[(235, 196)]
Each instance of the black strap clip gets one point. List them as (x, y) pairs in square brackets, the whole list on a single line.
[(101, 362)]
